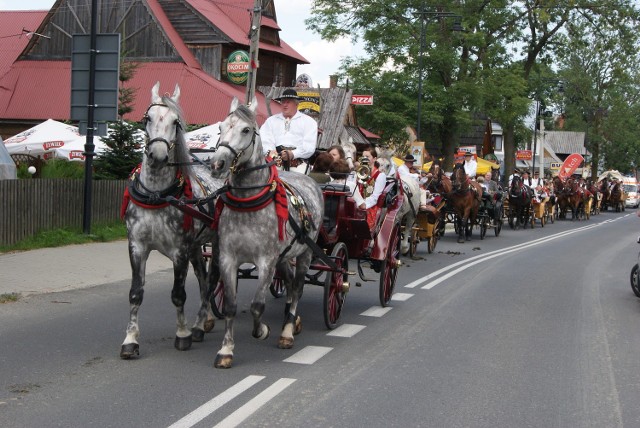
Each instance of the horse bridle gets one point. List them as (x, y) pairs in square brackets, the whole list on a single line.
[(237, 154), (146, 119)]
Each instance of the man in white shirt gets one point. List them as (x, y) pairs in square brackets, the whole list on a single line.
[(470, 165), (295, 132), (405, 169)]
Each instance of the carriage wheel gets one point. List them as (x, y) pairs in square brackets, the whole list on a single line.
[(334, 293), (635, 286), (433, 239), (277, 287), (217, 300), (389, 267), (498, 223), (483, 225), (413, 242)]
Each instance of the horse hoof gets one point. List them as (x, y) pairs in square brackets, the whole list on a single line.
[(182, 343), (223, 361), (460, 241), (208, 325), (285, 342), (297, 328), (263, 333), (197, 335), (129, 350)]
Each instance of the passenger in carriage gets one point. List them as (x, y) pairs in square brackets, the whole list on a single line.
[(291, 134), (373, 186), (320, 171), (336, 152), (338, 172)]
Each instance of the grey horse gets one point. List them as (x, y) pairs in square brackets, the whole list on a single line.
[(153, 224), (267, 218)]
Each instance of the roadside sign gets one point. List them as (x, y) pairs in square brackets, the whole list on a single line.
[(524, 155), (362, 100)]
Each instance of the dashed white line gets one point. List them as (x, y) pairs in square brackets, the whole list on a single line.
[(214, 404), (240, 415), (346, 330), (376, 311), (308, 355), (401, 297)]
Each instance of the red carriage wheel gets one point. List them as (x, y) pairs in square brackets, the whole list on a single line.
[(334, 289), (389, 267), (277, 287), (217, 300)]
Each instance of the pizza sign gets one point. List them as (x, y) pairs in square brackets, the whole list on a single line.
[(362, 100)]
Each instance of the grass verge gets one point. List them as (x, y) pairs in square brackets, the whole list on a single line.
[(69, 236), (9, 297)]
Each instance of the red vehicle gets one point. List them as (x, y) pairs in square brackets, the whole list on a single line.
[(345, 235)]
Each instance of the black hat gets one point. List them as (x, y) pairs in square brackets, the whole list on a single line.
[(409, 158), (288, 94), (536, 172), (516, 170), (526, 171), (468, 154)]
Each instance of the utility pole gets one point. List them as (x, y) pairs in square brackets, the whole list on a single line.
[(254, 36)]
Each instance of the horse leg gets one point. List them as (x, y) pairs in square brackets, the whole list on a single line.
[(266, 271), (229, 275), (292, 322), (205, 320), (178, 297), (460, 221), (130, 347)]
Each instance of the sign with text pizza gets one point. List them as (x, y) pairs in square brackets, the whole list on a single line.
[(362, 100)]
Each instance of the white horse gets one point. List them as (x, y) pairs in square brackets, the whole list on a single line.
[(153, 224), (411, 203), (266, 218)]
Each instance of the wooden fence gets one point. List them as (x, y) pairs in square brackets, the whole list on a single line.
[(30, 205)]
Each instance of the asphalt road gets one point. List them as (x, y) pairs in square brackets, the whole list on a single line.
[(532, 328)]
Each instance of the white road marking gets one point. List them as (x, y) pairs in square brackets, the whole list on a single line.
[(401, 297), (308, 355), (346, 330), (376, 311), (464, 262), (214, 404), (240, 415)]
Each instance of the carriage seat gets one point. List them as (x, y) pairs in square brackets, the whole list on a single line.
[(334, 194)]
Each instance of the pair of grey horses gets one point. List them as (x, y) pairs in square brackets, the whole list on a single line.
[(254, 200), (250, 199)]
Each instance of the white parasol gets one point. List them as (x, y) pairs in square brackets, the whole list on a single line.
[(52, 139), (205, 138), (613, 173)]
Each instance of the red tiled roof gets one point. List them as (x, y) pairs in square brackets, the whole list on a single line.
[(233, 19), (12, 38), (38, 89), (368, 134)]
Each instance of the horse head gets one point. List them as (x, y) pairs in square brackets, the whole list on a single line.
[(350, 153), (459, 181), (239, 145), (163, 124)]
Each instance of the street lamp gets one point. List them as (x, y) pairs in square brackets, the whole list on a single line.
[(424, 17)]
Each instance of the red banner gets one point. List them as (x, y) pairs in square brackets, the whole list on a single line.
[(570, 165)]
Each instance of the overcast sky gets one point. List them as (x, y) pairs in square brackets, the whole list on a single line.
[(324, 57)]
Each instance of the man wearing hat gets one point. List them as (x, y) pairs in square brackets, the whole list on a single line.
[(405, 169), (294, 132), (516, 173), (470, 165)]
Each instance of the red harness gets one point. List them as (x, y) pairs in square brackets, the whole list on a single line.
[(181, 188), (274, 191)]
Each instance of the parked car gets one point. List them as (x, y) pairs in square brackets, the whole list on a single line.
[(633, 198)]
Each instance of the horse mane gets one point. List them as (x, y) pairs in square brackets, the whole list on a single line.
[(244, 113), (183, 156)]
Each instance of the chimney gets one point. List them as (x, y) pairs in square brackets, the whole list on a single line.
[(333, 81)]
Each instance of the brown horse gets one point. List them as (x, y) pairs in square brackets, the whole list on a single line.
[(576, 198), (617, 197), (520, 208), (464, 198), (603, 188)]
